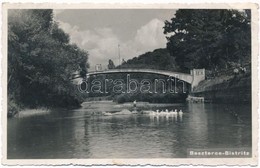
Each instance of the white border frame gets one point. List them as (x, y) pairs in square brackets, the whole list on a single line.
[(144, 161)]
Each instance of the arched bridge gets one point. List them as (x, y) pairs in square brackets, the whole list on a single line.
[(195, 76), (182, 76)]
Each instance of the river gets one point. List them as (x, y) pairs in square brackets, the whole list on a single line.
[(82, 133)]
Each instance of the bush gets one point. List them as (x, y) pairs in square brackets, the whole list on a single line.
[(13, 108)]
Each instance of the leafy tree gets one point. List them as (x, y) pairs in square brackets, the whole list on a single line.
[(211, 39), (157, 59), (41, 60)]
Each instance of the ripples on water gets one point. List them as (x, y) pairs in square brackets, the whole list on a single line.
[(79, 134)]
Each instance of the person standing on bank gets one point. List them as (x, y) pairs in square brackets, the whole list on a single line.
[(134, 103)]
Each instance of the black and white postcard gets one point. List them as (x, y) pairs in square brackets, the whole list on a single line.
[(129, 84)]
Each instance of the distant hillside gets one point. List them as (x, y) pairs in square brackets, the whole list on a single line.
[(157, 59)]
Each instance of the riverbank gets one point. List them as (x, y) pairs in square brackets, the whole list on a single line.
[(151, 97), (32, 112), (15, 110), (225, 89)]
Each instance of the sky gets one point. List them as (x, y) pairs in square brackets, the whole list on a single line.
[(100, 31)]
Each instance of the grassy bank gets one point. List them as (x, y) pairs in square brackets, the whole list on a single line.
[(15, 108), (32, 112)]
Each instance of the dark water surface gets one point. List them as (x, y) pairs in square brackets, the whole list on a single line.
[(78, 134)]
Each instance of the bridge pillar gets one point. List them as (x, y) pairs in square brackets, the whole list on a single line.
[(198, 75)]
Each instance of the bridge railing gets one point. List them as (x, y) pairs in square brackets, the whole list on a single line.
[(132, 70)]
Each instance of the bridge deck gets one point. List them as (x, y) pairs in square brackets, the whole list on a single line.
[(182, 76)]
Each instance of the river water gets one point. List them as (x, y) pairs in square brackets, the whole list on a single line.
[(83, 133)]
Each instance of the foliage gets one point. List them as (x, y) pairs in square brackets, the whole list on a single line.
[(13, 108), (157, 59), (41, 60), (211, 39)]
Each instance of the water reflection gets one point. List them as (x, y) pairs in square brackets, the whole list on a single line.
[(79, 134)]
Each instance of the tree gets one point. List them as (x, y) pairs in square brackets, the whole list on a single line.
[(209, 39), (111, 64), (41, 60), (157, 59)]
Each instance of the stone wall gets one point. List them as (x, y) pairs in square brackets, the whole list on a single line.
[(236, 89)]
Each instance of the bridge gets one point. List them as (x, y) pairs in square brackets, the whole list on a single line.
[(195, 76)]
